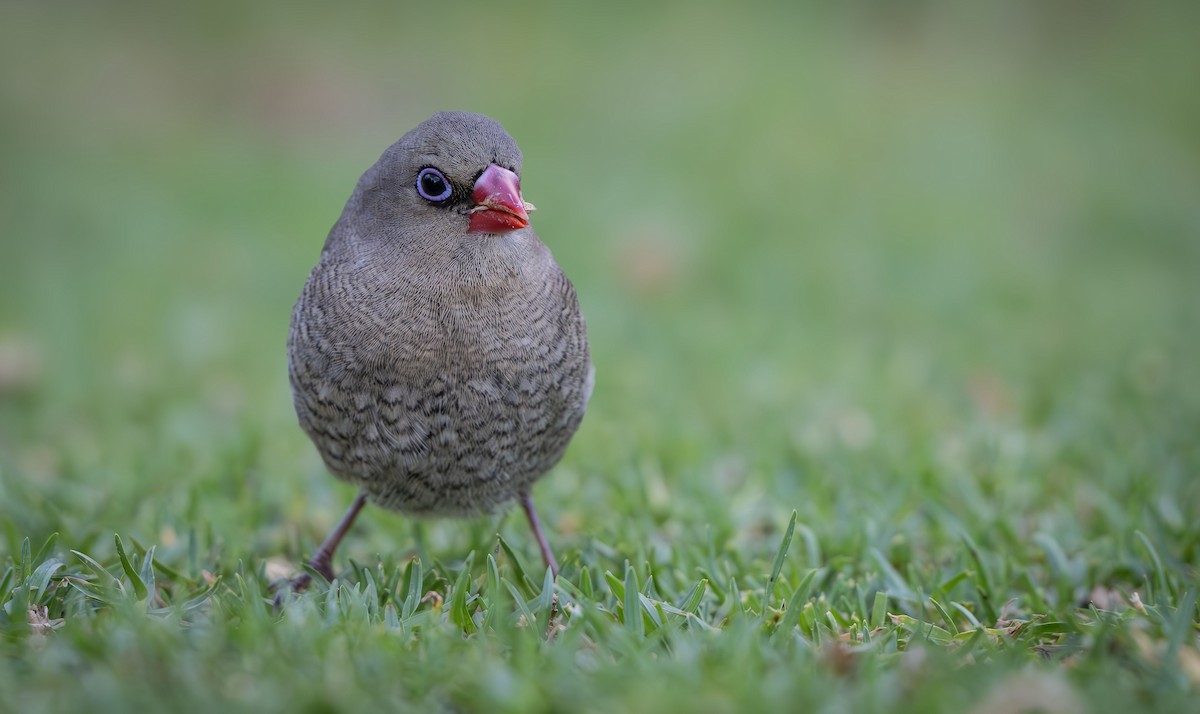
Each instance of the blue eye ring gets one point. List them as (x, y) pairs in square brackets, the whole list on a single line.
[(433, 185)]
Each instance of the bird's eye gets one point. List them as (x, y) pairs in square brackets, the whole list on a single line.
[(432, 185)]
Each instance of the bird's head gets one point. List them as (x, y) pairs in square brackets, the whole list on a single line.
[(454, 176)]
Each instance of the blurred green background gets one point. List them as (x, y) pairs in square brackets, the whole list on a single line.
[(920, 271), (871, 261)]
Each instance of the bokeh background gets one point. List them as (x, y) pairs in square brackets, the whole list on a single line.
[(873, 261)]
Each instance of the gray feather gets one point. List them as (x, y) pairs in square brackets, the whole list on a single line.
[(441, 371)]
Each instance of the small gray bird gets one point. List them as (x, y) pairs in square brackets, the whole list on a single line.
[(437, 354)]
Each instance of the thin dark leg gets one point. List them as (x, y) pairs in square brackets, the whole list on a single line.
[(536, 525), (322, 560)]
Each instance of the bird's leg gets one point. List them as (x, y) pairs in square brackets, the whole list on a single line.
[(536, 525), (322, 560)]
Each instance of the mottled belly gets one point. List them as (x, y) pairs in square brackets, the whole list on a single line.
[(445, 446)]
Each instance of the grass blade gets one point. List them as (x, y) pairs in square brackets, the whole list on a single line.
[(139, 585), (98, 568), (46, 547), (40, 580), (26, 561), (522, 578), (691, 601), (412, 598), (780, 555), (585, 584), (1160, 573), (878, 609), (459, 614), (953, 628), (634, 624), (983, 583), (615, 585), (147, 571), (492, 588), (526, 614), (542, 601)]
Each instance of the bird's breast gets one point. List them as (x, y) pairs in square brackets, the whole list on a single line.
[(447, 391)]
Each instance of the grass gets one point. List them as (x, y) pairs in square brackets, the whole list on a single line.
[(894, 318)]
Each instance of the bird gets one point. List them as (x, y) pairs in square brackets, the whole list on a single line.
[(437, 354)]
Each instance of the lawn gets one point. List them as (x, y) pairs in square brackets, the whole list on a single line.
[(893, 310)]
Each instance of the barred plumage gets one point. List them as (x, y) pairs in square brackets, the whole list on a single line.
[(440, 369)]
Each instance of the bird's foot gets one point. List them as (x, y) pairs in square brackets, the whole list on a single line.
[(300, 583), (322, 560), (322, 563)]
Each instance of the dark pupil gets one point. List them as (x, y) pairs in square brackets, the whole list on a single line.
[(432, 185)]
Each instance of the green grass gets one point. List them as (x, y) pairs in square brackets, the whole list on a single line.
[(895, 324)]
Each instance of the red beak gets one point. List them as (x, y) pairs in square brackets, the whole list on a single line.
[(499, 207)]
